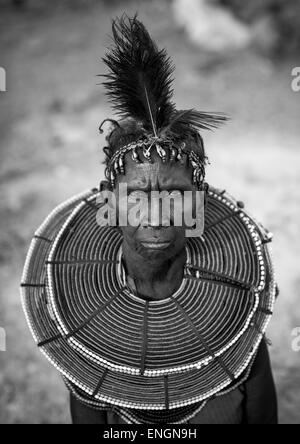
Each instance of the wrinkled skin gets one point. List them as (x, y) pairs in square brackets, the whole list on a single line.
[(155, 255)]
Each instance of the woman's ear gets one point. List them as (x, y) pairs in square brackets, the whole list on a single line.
[(105, 185)]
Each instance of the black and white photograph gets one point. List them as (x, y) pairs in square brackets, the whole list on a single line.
[(150, 209)]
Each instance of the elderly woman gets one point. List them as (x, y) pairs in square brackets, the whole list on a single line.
[(154, 321)]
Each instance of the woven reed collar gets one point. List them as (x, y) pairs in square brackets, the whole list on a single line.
[(125, 351)]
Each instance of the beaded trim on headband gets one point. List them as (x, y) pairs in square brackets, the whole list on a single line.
[(91, 327), (162, 147)]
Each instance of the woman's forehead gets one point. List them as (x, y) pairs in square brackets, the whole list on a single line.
[(156, 173)]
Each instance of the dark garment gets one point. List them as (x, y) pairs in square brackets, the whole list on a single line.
[(253, 402)]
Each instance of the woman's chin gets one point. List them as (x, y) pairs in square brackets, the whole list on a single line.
[(156, 253)]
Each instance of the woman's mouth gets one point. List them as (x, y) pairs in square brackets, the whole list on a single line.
[(155, 245)]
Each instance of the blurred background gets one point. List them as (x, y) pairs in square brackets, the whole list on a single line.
[(230, 56)]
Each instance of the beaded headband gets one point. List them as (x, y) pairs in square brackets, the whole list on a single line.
[(162, 147), (139, 86)]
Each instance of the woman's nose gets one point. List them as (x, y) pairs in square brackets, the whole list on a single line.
[(156, 215)]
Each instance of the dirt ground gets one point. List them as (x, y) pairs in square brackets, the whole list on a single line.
[(51, 149)]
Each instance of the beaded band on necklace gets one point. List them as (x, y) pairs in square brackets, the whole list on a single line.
[(51, 259)]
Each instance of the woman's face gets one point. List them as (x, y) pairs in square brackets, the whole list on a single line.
[(152, 240)]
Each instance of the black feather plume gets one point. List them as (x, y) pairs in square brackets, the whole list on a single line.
[(139, 84), (140, 78), (181, 121)]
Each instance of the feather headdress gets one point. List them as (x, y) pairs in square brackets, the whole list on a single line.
[(139, 86)]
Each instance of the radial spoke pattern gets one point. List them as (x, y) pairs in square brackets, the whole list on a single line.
[(117, 349)]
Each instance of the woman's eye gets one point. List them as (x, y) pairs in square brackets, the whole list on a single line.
[(134, 195), (174, 193)]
